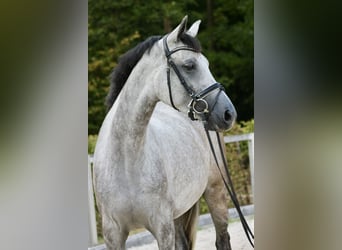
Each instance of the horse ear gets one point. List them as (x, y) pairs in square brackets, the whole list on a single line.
[(181, 28), (194, 28)]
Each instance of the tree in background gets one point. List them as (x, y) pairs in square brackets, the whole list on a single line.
[(226, 35)]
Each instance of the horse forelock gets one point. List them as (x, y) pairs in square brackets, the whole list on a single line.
[(128, 61), (191, 41)]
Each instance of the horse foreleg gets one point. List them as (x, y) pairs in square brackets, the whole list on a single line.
[(114, 235), (161, 225), (181, 240), (186, 229), (216, 197), (165, 236)]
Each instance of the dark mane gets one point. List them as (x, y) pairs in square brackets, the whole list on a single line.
[(125, 66), (128, 61)]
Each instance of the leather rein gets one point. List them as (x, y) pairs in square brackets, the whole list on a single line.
[(199, 108), (229, 186)]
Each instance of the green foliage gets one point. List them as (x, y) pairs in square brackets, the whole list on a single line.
[(238, 163), (91, 143), (226, 35), (242, 127)]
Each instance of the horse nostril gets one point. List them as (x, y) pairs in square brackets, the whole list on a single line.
[(227, 116)]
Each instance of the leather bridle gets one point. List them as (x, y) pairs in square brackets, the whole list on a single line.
[(198, 107)]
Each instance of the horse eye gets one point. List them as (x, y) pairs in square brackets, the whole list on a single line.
[(189, 66)]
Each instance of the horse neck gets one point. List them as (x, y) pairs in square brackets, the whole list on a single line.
[(133, 109)]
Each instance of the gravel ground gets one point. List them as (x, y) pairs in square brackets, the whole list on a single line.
[(206, 238)]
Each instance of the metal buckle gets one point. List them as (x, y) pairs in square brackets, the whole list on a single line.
[(198, 108)]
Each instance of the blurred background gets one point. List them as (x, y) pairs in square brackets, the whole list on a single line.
[(226, 34), (227, 38), (44, 119)]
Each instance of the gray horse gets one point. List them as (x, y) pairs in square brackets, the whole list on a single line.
[(152, 163)]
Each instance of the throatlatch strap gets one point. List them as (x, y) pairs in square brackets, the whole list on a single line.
[(230, 187)]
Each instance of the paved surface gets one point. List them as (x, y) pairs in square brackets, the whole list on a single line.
[(206, 238)]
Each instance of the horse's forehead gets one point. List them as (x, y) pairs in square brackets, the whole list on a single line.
[(185, 54), (182, 54), (204, 59)]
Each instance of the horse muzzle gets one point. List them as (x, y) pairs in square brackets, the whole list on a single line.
[(199, 107), (216, 111)]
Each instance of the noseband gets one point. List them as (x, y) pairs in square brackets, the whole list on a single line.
[(198, 106)]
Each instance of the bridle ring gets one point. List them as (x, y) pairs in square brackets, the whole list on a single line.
[(200, 106)]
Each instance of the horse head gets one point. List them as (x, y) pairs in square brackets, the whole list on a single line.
[(191, 88)]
